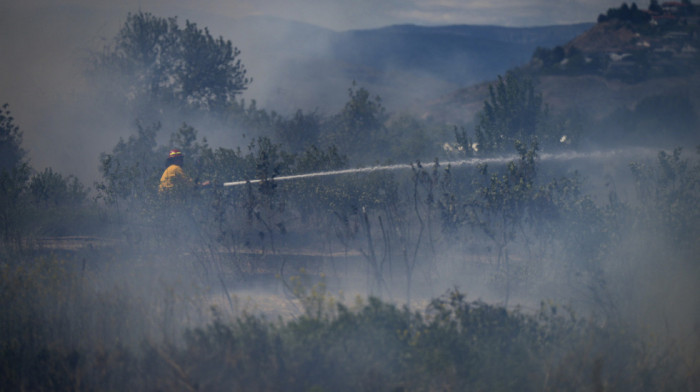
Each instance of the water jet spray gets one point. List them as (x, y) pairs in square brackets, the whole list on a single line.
[(562, 156)]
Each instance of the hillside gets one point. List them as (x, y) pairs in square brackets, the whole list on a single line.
[(614, 65), (295, 65), (460, 54), (592, 94), (443, 72)]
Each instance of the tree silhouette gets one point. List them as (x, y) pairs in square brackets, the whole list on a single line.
[(514, 112), (160, 63), (11, 152)]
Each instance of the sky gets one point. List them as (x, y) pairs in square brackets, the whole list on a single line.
[(357, 14), (44, 45)]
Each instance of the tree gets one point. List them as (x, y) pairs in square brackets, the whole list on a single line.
[(689, 7), (356, 127), (11, 153), (14, 175), (500, 203), (408, 139), (210, 74), (299, 132), (669, 195), (131, 170), (160, 63), (514, 112), (626, 13), (51, 189)]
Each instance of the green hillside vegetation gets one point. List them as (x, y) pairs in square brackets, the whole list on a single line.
[(631, 44), (630, 79), (588, 283)]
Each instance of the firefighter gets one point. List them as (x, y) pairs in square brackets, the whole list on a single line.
[(174, 174)]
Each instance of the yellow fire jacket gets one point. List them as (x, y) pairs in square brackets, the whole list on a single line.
[(171, 176)]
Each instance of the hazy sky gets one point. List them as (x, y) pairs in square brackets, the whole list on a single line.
[(44, 44), (353, 14)]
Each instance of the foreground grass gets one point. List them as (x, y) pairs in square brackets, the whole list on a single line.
[(59, 332)]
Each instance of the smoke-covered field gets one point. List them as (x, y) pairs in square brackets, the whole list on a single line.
[(357, 249)]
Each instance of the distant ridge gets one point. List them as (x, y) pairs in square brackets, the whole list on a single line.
[(460, 54), (610, 68), (525, 35), (297, 65)]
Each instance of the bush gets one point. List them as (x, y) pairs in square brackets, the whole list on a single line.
[(455, 345)]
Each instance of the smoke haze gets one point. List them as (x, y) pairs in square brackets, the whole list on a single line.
[(289, 232), (45, 46), (45, 50)]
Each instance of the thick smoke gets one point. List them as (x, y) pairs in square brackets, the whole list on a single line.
[(159, 266), (46, 48)]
